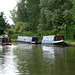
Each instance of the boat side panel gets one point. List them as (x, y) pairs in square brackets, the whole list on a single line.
[(49, 42), (24, 39)]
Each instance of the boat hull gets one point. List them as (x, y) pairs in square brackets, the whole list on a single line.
[(35, 42), (63, 43), (5, 44)]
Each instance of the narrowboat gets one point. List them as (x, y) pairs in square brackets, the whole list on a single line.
[(54, 39), (28, 39), (5, 41)]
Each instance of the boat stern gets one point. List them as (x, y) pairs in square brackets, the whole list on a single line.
[(4, 44)]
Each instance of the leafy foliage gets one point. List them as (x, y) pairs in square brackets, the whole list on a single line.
[(21, 27), (20, 13), (34, 11), (3, 24), (45, 17), (13, 15), (52, 14)]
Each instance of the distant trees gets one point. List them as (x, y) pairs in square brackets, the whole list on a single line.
[(53, 14), (3, 24), (27, 11), (33, 13), (45, 15), (20, 14)]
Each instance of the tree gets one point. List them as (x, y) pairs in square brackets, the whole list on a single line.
[(20, 13), (3, 24), (21, 27), (52, 13), (14, 16), (33, 13), (73, 10), (44, 14)]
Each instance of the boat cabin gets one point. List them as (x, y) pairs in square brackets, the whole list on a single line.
[(35, 39), (53, 39), (59, 37), (28, 39)]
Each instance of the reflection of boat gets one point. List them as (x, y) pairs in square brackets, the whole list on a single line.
[(24, 46), (54, 39), (48, 54), (5, 41), (26, 39), (53, 52)]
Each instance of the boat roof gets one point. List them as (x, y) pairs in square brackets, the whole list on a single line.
[(24, 36), (49, 35), (52, 35)]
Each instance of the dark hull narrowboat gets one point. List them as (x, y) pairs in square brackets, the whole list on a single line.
[(35, 40), (6, 41), (55, 40)]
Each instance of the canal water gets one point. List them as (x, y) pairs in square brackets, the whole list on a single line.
[(31, 59)]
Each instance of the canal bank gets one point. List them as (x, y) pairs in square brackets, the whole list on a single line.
[(71, 43)]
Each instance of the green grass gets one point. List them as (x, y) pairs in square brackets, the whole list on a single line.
[(13, 40), (72, 42)]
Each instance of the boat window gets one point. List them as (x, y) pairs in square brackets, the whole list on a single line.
[(57, 38)]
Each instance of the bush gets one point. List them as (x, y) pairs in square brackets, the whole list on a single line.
[(27, 33), (14, 36), (9, 31)]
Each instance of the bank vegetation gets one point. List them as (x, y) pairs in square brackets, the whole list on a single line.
[(43, 17)]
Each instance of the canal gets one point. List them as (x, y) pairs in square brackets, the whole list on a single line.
[(31, 59)]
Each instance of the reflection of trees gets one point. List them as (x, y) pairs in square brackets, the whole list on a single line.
[(39, 60), (22, 54), (60, 60), (65, 61), (30, 60), (44, 60), (70, 60), (36, 61)]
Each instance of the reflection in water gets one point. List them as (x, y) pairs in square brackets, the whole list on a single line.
[(53, 58), (7, 64), (24, 46), (48, 52), (31, 59), (38, 59), (27, 56), (53, 52)]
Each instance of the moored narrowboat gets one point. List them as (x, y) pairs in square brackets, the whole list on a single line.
[(28, 39), (54, 39)]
